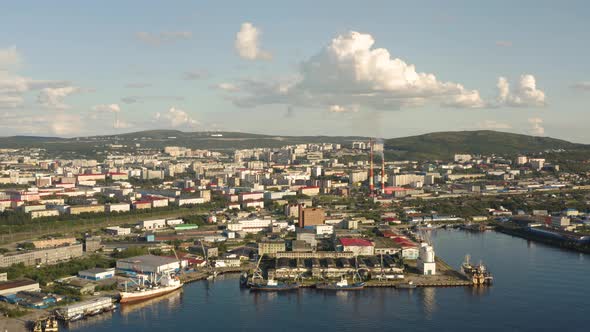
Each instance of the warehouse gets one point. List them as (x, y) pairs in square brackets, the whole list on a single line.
[(15, 286), (97, 274), (148, 264)]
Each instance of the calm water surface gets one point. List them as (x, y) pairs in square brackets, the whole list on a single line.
[(537, 288)]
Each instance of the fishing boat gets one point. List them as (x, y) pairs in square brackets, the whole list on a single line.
[(478, 274), (51, 325), (341, 285), (272, 285), (166, 284), (38, 327)]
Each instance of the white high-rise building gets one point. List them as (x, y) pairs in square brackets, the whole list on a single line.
[(537, 163)]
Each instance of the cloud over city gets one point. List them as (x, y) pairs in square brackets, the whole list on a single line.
[(247, 43)]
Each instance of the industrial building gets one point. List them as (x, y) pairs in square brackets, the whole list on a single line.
[(311, 217), (271, 247), (148, 264), (44, 256), (15, 286), (97, 274), (357, 246)]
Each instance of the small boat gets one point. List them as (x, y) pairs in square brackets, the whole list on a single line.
[(340, 285), (51, 325), (76, 317), (38, 327), (408, 285), (272, 285)]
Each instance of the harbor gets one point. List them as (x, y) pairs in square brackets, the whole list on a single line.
[(200, 298)]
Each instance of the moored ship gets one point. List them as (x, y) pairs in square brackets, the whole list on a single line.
[(272, 285), (165, 285), (478, 274), (340, 285)]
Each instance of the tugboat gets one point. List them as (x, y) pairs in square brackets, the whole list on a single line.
[(478, 274), (340, 285)]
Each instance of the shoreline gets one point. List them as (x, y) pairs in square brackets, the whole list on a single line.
[(541, 239)]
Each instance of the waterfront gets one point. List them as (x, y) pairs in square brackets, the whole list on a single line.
[(537, 287)]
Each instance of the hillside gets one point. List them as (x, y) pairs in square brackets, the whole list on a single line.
[(444, 144), (440, 145)]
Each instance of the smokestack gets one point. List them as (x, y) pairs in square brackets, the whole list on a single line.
[(300, 208), (371, 176), (383, 171)]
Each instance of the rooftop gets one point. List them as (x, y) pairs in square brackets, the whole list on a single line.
[(346, 241)]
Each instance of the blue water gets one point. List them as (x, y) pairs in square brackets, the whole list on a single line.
[(537, 288)]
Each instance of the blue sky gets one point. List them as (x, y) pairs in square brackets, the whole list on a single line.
[(72, 68)]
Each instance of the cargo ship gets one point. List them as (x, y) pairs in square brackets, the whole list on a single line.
[(478, 274), (272, 285), (165, 285), (340, 285)]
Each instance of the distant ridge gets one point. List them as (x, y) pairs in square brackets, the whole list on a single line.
[(438, 145), (445, 144)]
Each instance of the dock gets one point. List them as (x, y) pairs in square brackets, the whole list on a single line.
[(189, 277)]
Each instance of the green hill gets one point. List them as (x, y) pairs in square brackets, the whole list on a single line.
[(444, 145), (440, 145)]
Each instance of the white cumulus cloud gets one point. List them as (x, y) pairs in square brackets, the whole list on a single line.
[(54, 97), (350, 71), (537, 128), (247, 43), (175, 118), (524, 94)]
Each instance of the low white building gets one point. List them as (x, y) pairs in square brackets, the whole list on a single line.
[(118, 231), (118, 207), (97, 274), (152, 224), (173, 222), (228, 262), (190, 201), (250, 225), (323, 230)]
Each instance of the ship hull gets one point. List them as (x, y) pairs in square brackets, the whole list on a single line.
[(127, 297), (265, 288), (340, 288)]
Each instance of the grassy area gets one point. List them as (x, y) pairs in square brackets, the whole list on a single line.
[(36, 229), (11, 311), (49, 273)]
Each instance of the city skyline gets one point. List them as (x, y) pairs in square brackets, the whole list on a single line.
[(388, 70)]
